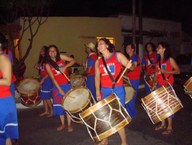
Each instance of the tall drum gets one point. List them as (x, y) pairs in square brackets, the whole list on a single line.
[(29, 89), (105, 118), (161, 103)]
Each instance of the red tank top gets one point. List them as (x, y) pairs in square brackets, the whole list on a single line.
[(168, 77), (153, 60), (114, 67), (135, 74), (10, 55), (43, 71), (4, 90), (59, 77)]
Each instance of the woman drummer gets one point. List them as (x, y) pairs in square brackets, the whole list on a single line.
[(148, 64), (114, 61), (165, 69), (46, 84), (8, 112), (57, 70)]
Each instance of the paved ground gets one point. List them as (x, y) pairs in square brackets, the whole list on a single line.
[(35, 130)]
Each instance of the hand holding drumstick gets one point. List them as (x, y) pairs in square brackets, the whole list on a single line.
[(129, 64)]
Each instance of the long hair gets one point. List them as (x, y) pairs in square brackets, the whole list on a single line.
[(111, 47), (41, 59), (152, 45), (48, 58), (125, 46), (167, 52)]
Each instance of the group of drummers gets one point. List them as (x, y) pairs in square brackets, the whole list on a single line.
[(104, 74)]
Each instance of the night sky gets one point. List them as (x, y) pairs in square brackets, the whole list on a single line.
[(176, 10)]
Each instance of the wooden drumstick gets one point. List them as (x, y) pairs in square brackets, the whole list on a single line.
[(122, 73)]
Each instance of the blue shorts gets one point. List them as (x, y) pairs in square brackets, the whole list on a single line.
[(118, 90)]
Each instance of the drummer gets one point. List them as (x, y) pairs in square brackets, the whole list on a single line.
[(134, 76), (7, 51), (90, 67), (57, 71), (148, 64), (165, 69), (46, 84), (114, 61), (8, 113)]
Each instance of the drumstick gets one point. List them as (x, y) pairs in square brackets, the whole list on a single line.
[(122, 74)]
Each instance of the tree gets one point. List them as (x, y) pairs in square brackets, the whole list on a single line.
[(31, 13)]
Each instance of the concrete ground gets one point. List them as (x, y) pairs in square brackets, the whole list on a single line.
[(36, 130)]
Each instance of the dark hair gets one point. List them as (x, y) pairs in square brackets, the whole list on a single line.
[(111, 47), (48, 59), (3, 42), (41, 59), (167, 52), (125, 46), (152, 45)]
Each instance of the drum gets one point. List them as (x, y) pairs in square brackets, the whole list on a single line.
[(77, 100), (161, 103), (77, 81), (149, 80), (29, 89), (129, 90), (105, 118), (188, 87)]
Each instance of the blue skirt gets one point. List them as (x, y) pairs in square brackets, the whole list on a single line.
[(8, 120), (46, 89), (58, 98)]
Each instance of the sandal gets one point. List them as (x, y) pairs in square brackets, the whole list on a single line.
[(167, 132), (160, 127)]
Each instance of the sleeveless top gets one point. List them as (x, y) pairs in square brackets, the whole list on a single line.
[(114, 67), (135, 74), (168, 77), (59, 77)]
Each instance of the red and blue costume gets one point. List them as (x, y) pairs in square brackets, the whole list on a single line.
[(134, 77), (12, 87), (164, 79), (149, 70), (46, 87), (65, 86), (8, 115), (114, 66), (90, 82)]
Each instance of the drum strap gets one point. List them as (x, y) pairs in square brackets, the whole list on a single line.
[(110, 75), (163, 75)]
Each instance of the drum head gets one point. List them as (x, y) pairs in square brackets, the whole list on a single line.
[(28, 86), (77, 80), (76, 98)]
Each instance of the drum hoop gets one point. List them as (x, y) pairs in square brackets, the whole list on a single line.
[(33, 105), (71, 90)]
